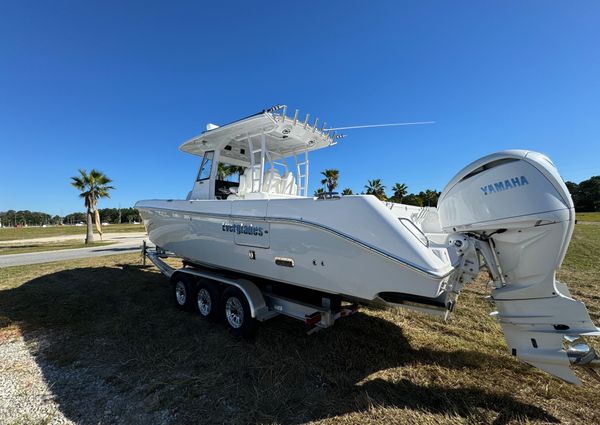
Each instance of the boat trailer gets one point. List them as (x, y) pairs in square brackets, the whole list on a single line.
[(262, 304)]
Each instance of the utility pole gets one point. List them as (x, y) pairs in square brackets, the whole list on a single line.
[(119, 213)]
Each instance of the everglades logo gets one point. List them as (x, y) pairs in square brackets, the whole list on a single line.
[(243, 229), (504, 185)]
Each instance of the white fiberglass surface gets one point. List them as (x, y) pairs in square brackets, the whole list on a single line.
[(514, 189), (361, 218), (282, 137), (364, 218), (323, 260)]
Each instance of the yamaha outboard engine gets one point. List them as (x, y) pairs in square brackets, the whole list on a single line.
[(516, 212)]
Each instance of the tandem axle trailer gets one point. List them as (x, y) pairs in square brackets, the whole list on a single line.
[(241, 302)]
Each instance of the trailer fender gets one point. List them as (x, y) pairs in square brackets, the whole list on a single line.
[(258, 305)]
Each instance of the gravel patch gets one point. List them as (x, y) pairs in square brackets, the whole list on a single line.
[(35, 391), (26, 398)]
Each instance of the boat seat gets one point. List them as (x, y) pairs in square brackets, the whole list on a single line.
[(246, 181), (271, 181), (288, 184), (243, 187)]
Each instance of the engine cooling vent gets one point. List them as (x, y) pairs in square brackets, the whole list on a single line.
[(488, 166)]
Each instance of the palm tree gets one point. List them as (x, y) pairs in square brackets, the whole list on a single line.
[(319, 192), (400, 190), (430, 197), (92, 186), (226, 170), (331, 179), (347, 191), (376, 188)]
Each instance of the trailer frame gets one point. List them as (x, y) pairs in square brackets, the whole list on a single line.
[(263, 303)]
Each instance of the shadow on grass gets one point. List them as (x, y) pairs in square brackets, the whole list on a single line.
[(114, 349)]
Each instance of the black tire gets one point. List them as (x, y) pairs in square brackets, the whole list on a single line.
[(184, 292), (208, 300), (235, 312)]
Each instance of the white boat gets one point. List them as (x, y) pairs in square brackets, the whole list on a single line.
[(509, 211)]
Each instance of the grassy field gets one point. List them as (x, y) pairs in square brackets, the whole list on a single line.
[(590, 216), (11, 233), (22, 248), (104, 330)]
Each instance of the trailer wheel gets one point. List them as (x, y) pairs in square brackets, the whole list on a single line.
[(236, 313), (207, 301), (184, 292)]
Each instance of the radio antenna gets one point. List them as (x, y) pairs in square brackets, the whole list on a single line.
[(380, 125)]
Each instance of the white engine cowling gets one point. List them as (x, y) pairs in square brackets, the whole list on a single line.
[(503, 190), (521, 215)]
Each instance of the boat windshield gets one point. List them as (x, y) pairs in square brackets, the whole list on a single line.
[(205, 168)]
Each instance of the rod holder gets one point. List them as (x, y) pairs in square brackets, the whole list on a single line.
[(296, 116)]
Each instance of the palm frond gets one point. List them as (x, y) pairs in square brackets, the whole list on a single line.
[(77, 183)]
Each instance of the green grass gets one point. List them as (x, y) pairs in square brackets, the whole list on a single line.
[(11, 233), (111, 321), (589, 216), (22, 248)]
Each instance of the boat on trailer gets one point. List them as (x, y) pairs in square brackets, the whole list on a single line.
[(509, 212)]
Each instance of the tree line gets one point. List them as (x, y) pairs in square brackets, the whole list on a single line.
[(112, 215), (37, 218), (375, 187), (586, 194)]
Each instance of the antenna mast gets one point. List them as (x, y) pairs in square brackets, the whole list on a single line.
[(352, 127)]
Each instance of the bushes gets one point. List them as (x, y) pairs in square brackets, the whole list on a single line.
[(586, 195)]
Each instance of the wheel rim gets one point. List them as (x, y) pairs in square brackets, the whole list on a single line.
[(180, 293), (234, 312), (204, 302)]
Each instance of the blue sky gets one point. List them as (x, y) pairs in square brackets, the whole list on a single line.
[(120, 85)]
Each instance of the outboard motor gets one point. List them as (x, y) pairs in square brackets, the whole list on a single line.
[(516, 211)]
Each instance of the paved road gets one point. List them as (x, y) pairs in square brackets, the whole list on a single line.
[(126, 244)]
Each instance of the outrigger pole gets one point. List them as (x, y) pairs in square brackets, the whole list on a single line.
[(380, 125)]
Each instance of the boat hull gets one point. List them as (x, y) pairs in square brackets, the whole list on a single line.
[(242, 236)]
